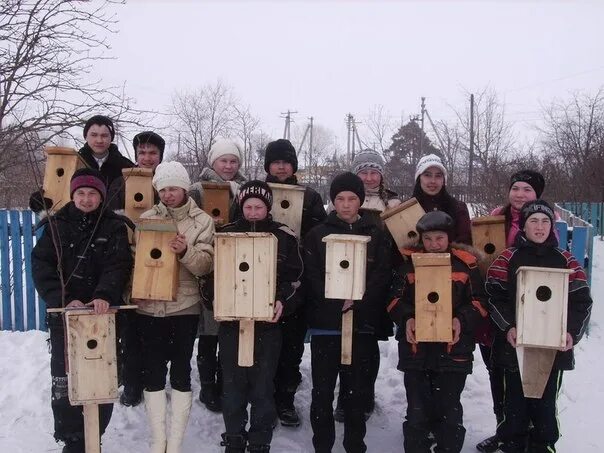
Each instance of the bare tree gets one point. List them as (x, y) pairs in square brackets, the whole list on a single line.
[(573, 141), (246, 124), (380, 128), (201, 117)]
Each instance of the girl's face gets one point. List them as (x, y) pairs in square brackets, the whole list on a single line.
[(347, 206), (226, 166), (173, 197), (520, 193), (432, 180), (98, 138), (371, 178), (537, 228), (87, 199), (254, 210)]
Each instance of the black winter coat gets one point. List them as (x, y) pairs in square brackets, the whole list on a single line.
[(313, 211), (112, 167), (289, 264), (95, 257), (501, 288), (369, 312), (468, 299)]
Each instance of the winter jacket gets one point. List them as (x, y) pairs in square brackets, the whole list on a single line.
[(209, 175), (468, 300), (95, 258), (113, 165), (501, 289), (326, 314), (289, 264), (456, 209), (197, 261), (313, 211)]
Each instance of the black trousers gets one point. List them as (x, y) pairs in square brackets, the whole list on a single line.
[(496, 381), (170, 339), (325, 362), (371, 377), (68, 419), (520, 412), (207, 359), (254, 385), (288, 376), (433, 405), (131, 350)]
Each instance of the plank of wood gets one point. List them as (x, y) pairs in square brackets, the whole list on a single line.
[(535, 366), (225, 250), (346, 352), (401, 221), (264, 277), (246, 343), (91, 428), (244, 279)]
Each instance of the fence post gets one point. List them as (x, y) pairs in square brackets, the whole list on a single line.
[(5, 272), (15, 233), (30, 290)]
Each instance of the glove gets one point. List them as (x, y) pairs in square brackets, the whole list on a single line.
[(38, 202)]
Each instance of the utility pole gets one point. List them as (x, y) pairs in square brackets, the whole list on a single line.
[(288, 120), (349, 129), (470, 172), (310, 144), (421, 137)]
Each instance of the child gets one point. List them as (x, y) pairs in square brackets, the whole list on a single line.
[(255, 384), (536, 245), (435, 373), (168, 329), (347, 194), (82, 259)]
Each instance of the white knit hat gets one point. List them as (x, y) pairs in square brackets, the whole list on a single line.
[(221, 148), (171, 174), (431, 160)]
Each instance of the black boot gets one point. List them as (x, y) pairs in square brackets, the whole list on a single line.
[(131, 396), (489, 445), (286, 411), (259, 448), (74, 445), (210, 397), (233, 443)]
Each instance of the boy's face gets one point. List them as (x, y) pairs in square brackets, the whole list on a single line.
[(87, 199), (435, 241), (254, 210), (537, 228), (98, 138), (173, 197), (226, 166), (347, 206), (147, 156)]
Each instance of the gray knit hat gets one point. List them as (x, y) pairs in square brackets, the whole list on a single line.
[(368, 158)]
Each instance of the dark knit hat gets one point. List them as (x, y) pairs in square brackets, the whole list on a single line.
[(256, 189), (531, 177), (101, 120), (435, 221), (153, 139), (281, 149), (88, 177), (536, 207), (347, 181)]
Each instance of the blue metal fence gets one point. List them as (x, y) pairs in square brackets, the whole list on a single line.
[(592, 213)]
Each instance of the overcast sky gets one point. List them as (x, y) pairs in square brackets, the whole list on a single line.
[(326, 59)]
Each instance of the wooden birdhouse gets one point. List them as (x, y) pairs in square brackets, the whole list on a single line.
[(535, 365), (156, 267), (288, 201), (433, 297), (245, 282), (401, 221), (541, 306), (488, 235), (61, 164), (217, 201), (140, 196), (345, 266), (91, 349)]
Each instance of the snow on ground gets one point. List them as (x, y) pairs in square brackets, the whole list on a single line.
[(26, 418)]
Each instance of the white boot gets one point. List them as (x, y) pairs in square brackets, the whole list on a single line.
[(155, 403), (181, 407)]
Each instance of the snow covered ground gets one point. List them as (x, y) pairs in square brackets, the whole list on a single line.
[(26, 418)]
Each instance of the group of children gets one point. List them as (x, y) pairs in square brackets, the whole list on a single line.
[(83, 259)]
